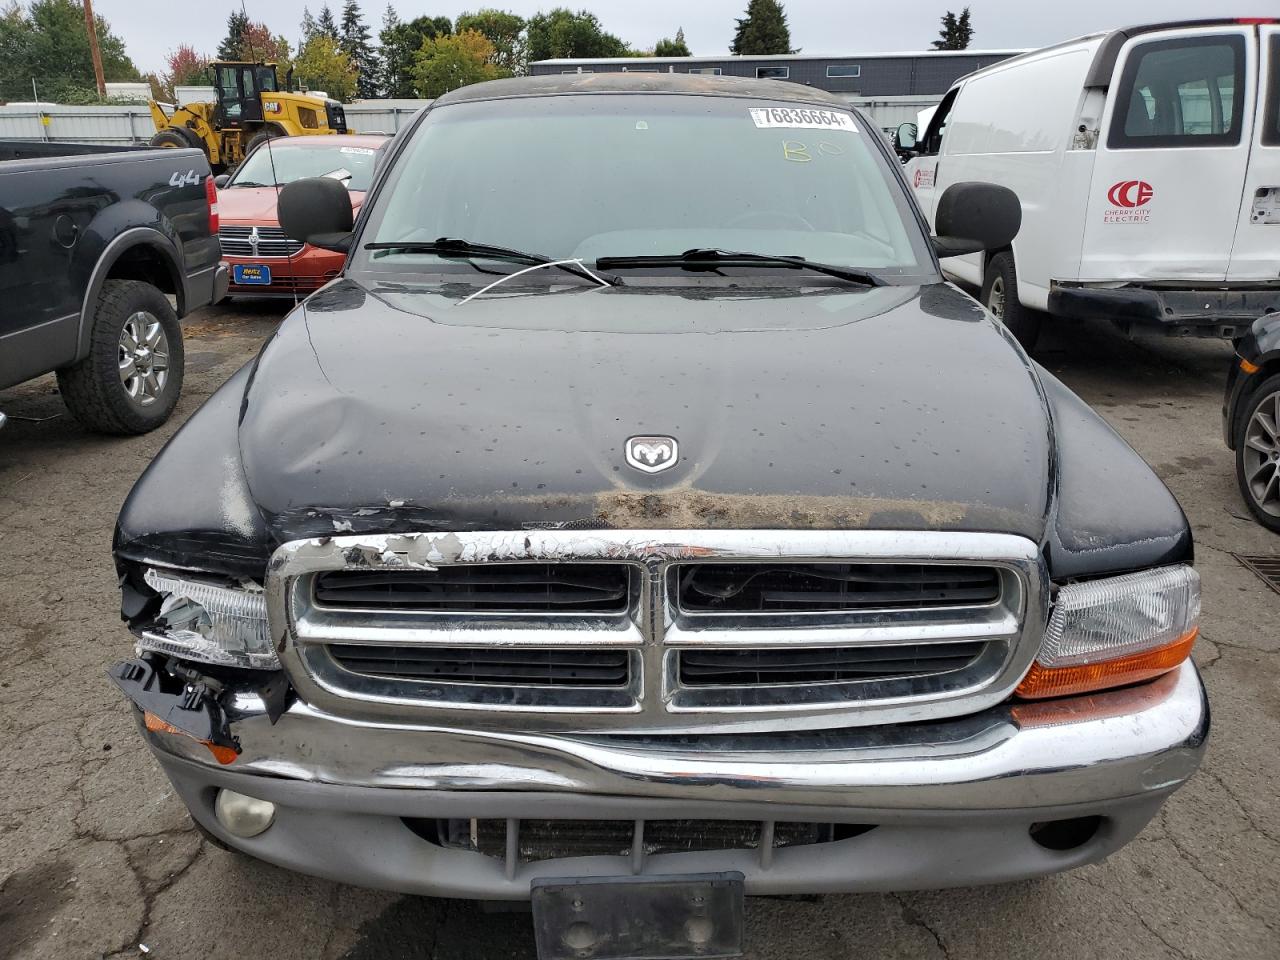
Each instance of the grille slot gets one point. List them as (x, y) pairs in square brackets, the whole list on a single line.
[(272, 242), (706, 668), (555, 839), (483, 588), (831, 587), (489, 666)]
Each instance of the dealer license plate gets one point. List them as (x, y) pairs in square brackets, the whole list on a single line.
[(639, 918), (249, 273)]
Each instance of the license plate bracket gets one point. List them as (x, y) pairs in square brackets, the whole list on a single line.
[(639, 918)]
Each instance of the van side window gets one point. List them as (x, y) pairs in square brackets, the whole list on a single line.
[(1180, 93), (931, 142)]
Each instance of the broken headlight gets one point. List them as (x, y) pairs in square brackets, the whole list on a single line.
[(207, 622)]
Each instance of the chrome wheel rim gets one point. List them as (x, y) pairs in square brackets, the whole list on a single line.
[(1261, 455), (143, 358), (995, 299)]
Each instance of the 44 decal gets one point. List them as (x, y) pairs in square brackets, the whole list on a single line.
[(180, 179)]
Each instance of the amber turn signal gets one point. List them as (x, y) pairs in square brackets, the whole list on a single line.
[(223, 755), (1248, 367), (1043, 682)]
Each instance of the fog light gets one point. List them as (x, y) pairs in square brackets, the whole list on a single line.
[(243, 816)]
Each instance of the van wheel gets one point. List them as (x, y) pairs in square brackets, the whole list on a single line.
[(1000, 296), (130, 381), (1258, 453)]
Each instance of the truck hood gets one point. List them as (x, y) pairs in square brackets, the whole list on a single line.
[(257, 205), (396, 408)]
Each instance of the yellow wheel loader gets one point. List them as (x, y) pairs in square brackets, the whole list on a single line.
[(250, 107)]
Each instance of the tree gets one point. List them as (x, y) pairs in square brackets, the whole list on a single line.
[(502, 29), (956, 31), (321, 65), (326, 25), (257, 44), (446, 63), (672, 48), (309, 26), (763, 31), (237, 24), (185, 66), (48, 42), (355, 44), (400, 45), (563, 33)]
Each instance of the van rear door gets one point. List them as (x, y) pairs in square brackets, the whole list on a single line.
[(1171, 158), (1256, 254)]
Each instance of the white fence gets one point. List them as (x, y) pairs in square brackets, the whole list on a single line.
[(132, 124)]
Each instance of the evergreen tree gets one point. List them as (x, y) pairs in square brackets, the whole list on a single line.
[(400, 45), (237, 24), (672, 48), (956, 32), (326, 25), (355, 44), (47, 41), (309, 27), (763, 31)]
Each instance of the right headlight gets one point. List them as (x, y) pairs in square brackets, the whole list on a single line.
[(1117, 631), (208, 622)]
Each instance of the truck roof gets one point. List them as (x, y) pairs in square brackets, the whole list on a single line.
[(676, 83)]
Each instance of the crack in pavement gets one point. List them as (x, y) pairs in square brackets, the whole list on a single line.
[(912, 918)]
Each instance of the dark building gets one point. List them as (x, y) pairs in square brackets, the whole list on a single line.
[(859, 76)]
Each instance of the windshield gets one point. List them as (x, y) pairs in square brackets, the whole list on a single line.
[(603, 175), (352, 165)]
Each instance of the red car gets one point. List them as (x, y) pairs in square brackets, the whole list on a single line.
[(262, 260)]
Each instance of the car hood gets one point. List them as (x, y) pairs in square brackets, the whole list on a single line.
[(258, 204), (396, 407)]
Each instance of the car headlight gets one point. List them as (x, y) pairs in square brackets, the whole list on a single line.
[(1121, 630), (210, 623)]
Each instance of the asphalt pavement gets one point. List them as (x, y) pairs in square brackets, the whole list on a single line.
[(98, 857)]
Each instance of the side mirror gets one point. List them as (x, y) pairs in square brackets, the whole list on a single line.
[(221, 180), (904, 138), (976, 216), (317, 211)]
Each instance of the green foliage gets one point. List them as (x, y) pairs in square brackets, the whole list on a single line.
[(502, 29), (763, 31), (563, 33), (672, 48), (47, 41), (326, 25), (956, 32), (237, 24), (446, 63), (321, 65), (355, 44), (401, 43)]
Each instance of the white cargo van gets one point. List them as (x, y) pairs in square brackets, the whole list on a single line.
[(1147, 161)]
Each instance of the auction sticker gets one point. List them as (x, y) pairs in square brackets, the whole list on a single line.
[(802, 118), (362, 151)]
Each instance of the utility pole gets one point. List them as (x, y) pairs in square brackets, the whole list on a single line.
[(93, 48)]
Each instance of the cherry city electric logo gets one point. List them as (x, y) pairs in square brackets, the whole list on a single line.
[(1130, 193), (1128, 201)]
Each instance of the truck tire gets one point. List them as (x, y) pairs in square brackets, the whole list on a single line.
[(131, 379), (1000, 296), (179, 137), (262, 136), (1258, 453)]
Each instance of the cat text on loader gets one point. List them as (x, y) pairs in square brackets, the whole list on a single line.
[(250, 107)]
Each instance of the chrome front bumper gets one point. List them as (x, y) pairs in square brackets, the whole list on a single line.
[(952, 800)]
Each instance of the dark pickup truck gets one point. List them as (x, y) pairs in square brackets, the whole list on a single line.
[(640, 521), (94, 243)]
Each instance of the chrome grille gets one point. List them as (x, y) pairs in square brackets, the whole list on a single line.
[(597, 630), (272, 242)]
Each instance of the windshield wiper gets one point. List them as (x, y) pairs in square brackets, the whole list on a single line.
[(709, 258), (248, 183), (454, 248)]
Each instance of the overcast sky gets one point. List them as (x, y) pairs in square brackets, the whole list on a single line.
[(150, 28)]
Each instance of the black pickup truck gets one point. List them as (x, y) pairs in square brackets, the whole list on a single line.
[(94, 243), (640, 521)]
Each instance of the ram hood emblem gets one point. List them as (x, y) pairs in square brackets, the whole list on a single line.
[(651, 454)]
